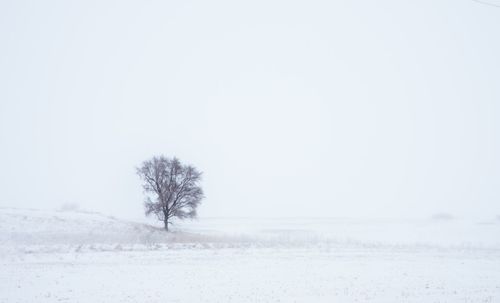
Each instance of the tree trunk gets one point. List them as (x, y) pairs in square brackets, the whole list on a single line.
[(165, 218)]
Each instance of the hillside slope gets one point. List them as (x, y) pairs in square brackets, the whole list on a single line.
[(32, 230), (28, 230)]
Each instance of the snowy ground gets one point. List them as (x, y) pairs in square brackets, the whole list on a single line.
[(84, 257)]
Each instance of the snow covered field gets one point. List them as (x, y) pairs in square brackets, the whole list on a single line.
[(49, 256)]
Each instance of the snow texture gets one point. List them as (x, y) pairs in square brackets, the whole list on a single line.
[(57, 256)]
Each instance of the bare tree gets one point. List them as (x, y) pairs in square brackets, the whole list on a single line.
[(172, 189)]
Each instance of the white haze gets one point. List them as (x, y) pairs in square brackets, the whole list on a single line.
[(290, 108)]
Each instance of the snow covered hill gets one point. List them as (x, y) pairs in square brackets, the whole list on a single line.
[(32, 230), (55, 256), (28, 230)]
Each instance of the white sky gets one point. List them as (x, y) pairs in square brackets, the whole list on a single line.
[(291, 108)]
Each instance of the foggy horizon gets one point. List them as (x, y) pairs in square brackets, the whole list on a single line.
[(290, 109), (250, 151)]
